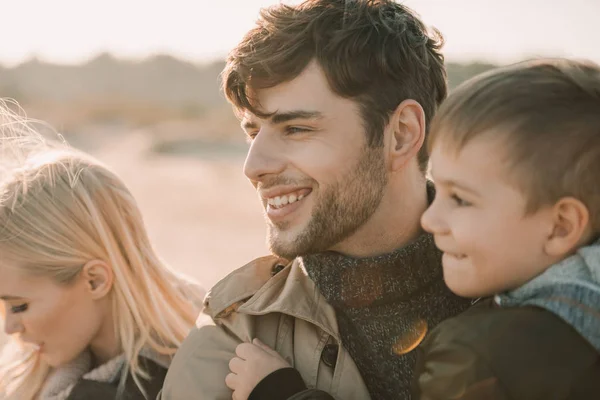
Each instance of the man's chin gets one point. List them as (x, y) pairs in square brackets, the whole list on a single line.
[(284, 250), (290, 249), (286, 245)]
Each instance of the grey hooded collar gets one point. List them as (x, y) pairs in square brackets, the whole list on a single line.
[(570, 289)]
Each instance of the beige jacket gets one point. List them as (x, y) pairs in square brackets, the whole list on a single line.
[(281, 307)]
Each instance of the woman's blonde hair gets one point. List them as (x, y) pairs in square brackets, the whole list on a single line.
[(59, 209)]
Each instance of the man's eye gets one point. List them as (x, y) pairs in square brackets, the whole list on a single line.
[(294, 129), (19, 309)]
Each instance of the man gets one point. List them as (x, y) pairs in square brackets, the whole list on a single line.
[(335, 97)]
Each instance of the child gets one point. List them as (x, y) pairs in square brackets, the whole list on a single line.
[(515, 156), (92, 311)]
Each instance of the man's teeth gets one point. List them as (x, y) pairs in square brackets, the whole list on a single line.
[(285, 200)]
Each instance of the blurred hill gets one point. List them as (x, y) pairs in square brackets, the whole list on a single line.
[(147, 93)]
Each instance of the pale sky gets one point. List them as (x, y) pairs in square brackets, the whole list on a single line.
[(72, 31)]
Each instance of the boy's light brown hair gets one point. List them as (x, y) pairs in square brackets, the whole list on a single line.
[(376, 52), (546, 113)]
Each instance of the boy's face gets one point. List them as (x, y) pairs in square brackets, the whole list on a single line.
[(479, 221)]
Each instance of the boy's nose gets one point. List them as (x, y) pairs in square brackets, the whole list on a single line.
[(432, 220)]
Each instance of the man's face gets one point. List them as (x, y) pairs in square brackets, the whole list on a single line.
[(315, 175)]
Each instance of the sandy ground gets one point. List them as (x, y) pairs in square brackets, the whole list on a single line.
[(202, 215)]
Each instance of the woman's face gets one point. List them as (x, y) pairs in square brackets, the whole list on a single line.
[(59, 320)]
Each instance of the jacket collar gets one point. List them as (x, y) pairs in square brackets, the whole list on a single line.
[(254, 290)]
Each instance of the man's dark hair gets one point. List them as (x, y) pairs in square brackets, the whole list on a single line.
[(375, 52)]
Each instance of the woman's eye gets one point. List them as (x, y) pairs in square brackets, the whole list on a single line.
[(460, 202), (19, 308)]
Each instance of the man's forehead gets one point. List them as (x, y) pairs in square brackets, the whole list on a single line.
[(309, 90)]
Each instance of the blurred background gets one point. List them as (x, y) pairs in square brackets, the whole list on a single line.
[(136, 83)]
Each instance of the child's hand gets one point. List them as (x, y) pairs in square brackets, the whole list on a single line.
[(254, 362)]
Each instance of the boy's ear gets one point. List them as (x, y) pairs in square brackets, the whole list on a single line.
[(98, 277), (571, 227)]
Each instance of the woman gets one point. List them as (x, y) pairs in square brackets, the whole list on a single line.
[(91, 310)]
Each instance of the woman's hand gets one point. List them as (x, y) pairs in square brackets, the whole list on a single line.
[(253, 362)]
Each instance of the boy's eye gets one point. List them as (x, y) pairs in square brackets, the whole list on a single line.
[(459, 201), (19, 309)]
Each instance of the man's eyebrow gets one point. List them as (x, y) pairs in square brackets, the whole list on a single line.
[(281, 117), (278, 118)]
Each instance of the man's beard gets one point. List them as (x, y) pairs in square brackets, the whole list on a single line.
[(340, 210)]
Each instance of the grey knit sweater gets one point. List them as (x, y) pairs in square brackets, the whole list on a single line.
[(384, 306)]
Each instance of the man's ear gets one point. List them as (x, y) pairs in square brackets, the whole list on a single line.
[(98, 277), (571, 227), (406, 133)]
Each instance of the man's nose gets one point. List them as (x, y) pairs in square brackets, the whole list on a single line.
[(265, 156)]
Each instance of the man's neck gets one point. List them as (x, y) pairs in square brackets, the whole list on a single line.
[(395, 223)]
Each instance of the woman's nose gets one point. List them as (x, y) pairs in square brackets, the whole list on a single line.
[(12, 324)]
